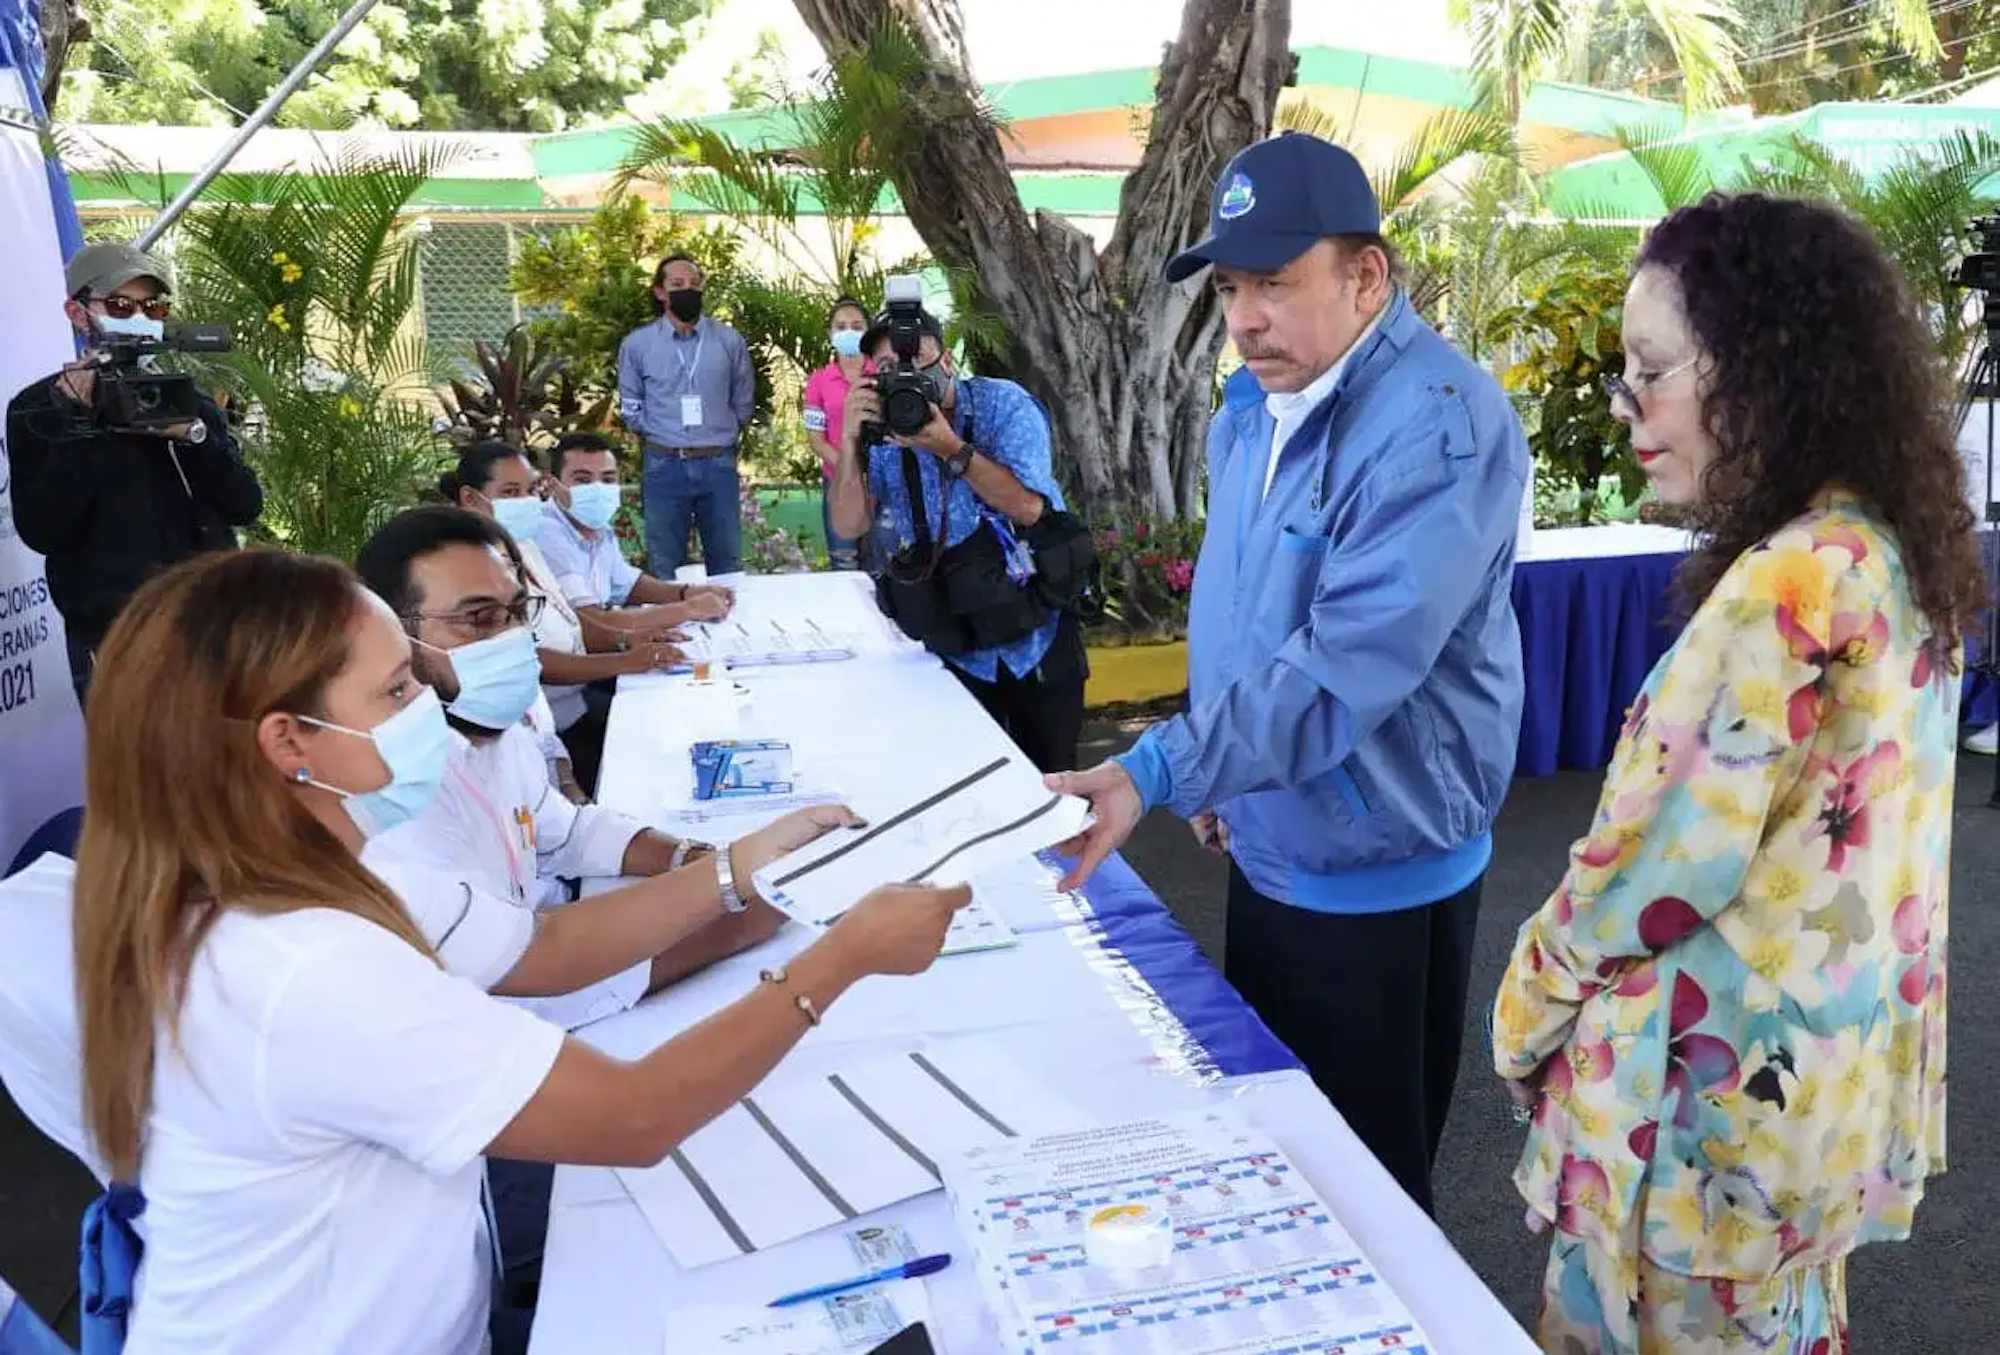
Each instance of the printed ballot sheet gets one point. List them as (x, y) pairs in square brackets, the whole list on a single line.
[(1260, 1263), (995, 813), (803, 1153), (845, 1324)]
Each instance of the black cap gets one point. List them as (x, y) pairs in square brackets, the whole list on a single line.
[(1276, 200), (880, 330)]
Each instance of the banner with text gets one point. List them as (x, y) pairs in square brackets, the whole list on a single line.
[(41, 731)]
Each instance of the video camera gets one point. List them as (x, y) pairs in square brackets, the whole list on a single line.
[(907, 391), (132, 397), (1979, 271)]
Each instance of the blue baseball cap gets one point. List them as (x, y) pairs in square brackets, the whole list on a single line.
[(1276, 199)]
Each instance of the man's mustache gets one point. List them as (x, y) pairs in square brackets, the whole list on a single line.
[(1247, 351)]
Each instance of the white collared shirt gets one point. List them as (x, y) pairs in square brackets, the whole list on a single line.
[(1290, 409)]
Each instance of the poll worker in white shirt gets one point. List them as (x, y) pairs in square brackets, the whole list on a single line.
[(496, 820), (582, 654), (272, 1050), (582, 547)]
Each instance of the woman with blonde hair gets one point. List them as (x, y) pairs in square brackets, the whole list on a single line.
[(271, 1049), (1728, 1022)]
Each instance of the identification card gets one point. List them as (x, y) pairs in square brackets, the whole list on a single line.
[(690, 411), (863, 1320), (879, 1247)]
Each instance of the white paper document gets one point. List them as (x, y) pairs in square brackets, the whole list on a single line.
[(845, 1324), (1260, 1264), (992, 815), (769, 642), (803, 1153)]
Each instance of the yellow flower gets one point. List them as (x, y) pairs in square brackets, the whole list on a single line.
[(292, 273), (1680, 1210), (277, 317), (281, 257), (349, 407), (1795, 579)]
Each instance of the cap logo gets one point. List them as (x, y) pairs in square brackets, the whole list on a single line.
[(1237, 199)]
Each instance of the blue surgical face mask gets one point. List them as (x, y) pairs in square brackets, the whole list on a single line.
[(519, 518), (498, 678), (134, 326), (415, 743), (594, 504), (847, 342)]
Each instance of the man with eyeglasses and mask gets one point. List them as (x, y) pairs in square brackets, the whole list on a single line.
[(107, 507)]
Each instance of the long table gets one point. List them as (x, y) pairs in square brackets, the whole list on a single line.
[(1105, 997), (1595, 611)]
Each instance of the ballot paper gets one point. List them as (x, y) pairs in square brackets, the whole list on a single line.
[(1260, 1263), (802, 1153), (994, 814), (845, 1324), (768, 643)]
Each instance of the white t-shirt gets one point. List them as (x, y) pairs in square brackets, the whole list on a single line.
[(313, 1160), (479, 937), (558, 629), (498, 825), (40, 1043)]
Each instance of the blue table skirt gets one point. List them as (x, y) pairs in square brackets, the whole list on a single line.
[(1173, 994), (1591, 630)]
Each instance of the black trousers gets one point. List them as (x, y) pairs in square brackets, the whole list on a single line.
[(1042, 712), (1374, 1006), (584, 740)]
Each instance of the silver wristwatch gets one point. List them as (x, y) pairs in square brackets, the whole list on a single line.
[(725, 880)]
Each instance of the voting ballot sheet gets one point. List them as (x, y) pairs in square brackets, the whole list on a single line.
[(803, 1153), (1258, 1262), (994, 814)]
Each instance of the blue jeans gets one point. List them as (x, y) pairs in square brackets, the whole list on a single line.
[(841, 551), (701, 494)]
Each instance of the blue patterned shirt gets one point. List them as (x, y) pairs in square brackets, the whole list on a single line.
[(1008, 427)]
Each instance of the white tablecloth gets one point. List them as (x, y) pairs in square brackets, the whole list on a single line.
[(875, 728), (1599, 543)]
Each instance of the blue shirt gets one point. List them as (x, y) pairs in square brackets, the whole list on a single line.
[(1007, 427), (658, 366), (1354, 663)]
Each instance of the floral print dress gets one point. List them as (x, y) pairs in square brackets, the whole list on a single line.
[(1738, 990)]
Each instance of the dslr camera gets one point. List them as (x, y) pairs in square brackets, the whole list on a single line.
[(132, 397), (907, 391)]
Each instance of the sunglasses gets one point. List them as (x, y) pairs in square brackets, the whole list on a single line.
[(1632, 387), (125, 307)]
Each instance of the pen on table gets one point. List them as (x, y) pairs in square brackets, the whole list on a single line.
[(909, 1270)]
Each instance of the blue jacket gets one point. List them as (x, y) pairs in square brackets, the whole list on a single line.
[(1354, 665)]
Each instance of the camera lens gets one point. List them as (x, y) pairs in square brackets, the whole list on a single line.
[(146, 399)]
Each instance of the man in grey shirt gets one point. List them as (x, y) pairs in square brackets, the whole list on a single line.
[(686, 387)]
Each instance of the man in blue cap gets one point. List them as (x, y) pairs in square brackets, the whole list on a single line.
[(1354, 666)]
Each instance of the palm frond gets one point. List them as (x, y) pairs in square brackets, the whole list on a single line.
[(1442, 141), (1702, 36)]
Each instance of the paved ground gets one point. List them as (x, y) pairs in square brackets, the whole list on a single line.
[(1934, 1296)]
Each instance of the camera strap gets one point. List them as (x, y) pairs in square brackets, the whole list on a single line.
[(913, 485)]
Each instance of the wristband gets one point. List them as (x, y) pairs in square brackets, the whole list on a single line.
[(725, 879)]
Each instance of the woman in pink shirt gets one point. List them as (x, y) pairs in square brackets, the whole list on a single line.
[(826, 399)]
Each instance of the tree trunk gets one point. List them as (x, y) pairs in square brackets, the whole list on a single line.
[(63, 26), (1124, 361)]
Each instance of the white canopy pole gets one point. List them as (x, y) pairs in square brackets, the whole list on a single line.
[(256, 121)]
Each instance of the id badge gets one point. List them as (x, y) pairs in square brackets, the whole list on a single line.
[(690, 411)]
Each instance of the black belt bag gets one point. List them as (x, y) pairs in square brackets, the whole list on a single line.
[(962, 599)]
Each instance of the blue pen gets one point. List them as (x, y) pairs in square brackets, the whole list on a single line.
[(909, 1270)]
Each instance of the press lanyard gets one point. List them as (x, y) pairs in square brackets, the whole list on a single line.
[(690, 367), (523, 825)]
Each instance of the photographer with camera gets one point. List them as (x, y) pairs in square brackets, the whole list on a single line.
[(120, 471), (983, 566)]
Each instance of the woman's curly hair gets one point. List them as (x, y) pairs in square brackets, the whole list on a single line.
[(1824, 373)]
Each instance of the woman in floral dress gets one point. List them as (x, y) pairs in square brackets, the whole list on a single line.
[(1729, 1019)]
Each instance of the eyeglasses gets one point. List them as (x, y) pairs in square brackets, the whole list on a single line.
[(488, 618), (1632, 387), (125, 307)]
